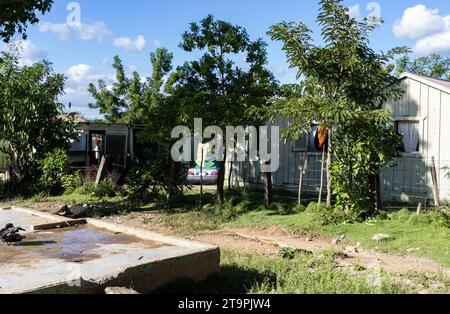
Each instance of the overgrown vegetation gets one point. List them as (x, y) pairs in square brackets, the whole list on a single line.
[(53, 167), (32, 120)]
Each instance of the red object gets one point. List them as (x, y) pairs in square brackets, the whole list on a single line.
[(215, 173), (191, 173), (321, 138)]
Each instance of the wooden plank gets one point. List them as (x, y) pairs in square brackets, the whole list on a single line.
[(101, 170), (61, 224)]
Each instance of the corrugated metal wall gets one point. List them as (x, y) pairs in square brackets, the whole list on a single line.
[(407, 178)]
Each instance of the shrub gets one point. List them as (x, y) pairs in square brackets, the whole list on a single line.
[(103, 189), (54, 166), (152, 182), (72, 181)]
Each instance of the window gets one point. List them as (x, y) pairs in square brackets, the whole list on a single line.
[(79, 144), (411, 135)]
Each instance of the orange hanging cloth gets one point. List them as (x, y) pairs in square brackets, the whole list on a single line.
[(321, 138)]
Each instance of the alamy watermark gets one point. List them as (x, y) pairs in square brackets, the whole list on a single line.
[(242, 144)]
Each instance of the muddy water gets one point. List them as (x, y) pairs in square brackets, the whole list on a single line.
[(68, 244)]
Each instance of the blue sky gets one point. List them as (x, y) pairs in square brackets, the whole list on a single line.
[(134, 28)]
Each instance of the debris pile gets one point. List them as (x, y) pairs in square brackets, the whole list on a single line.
[(10, 234)]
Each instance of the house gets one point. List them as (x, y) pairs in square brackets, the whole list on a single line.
[(422, 116), (98, 139)]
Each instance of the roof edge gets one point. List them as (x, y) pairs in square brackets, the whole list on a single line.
[(426, 80)]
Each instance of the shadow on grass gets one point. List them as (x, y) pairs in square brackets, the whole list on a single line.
[(231, 280)]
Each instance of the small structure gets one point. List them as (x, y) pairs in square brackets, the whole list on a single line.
[(422, 116), (95, 140)]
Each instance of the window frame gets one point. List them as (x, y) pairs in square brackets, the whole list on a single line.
[(413, 119)]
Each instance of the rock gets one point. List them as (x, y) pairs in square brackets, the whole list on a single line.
[(351, 249), (80, 211), (63, 211), (338, 240), (412, 250), (119, 290), (381, 237)]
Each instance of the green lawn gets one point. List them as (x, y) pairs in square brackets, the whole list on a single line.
[(303, 274)]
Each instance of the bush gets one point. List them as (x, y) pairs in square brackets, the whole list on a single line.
[(72, 181), (103, 189), (151, 181), (53, 167)]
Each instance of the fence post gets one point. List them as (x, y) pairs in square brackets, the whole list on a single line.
[(437, 201)]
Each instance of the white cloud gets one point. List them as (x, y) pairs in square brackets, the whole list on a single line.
[(355, 11), (157, 43), (26, 50), (62, 30), (105, 61), (84, 31), (419, 21), (434, 43), (429, 29), (97, 30), (129, 45), (79, 76)]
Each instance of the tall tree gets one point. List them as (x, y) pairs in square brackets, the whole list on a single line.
[(32, 120), (15, 15), (150, 103), (130, 97), (343, 80), (215, 88), (434, 66)]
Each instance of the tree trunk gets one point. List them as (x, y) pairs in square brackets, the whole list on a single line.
[(267, 187), (329, 160), (229, 175), (302, 172), (319, 201), (220, 181), (201, 179), (169, 192), (375, 195)]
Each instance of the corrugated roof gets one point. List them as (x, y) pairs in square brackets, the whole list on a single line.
[(443, 85)]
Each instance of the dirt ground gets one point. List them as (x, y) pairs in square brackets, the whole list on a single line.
[(269, 241)]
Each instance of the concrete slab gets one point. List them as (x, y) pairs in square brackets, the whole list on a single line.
[(91, 257)]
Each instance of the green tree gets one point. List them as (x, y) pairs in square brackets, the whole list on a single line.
[(343, 81), (15, 16), (434, 66), (148, 103), (215, 88), (32, 120)]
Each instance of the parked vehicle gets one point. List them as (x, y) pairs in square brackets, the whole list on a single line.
[(208, 176)]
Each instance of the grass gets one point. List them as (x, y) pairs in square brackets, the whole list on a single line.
[(302, 274), (409, 233), (426, 235)]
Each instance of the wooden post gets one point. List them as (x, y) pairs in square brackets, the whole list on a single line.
[(437, 201), (419, 208), (267, 186), (321, 176), (201, 178), (329, 160), (100, 170), (302, 172)]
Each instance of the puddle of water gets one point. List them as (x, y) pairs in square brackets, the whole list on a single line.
[(69, 244)]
